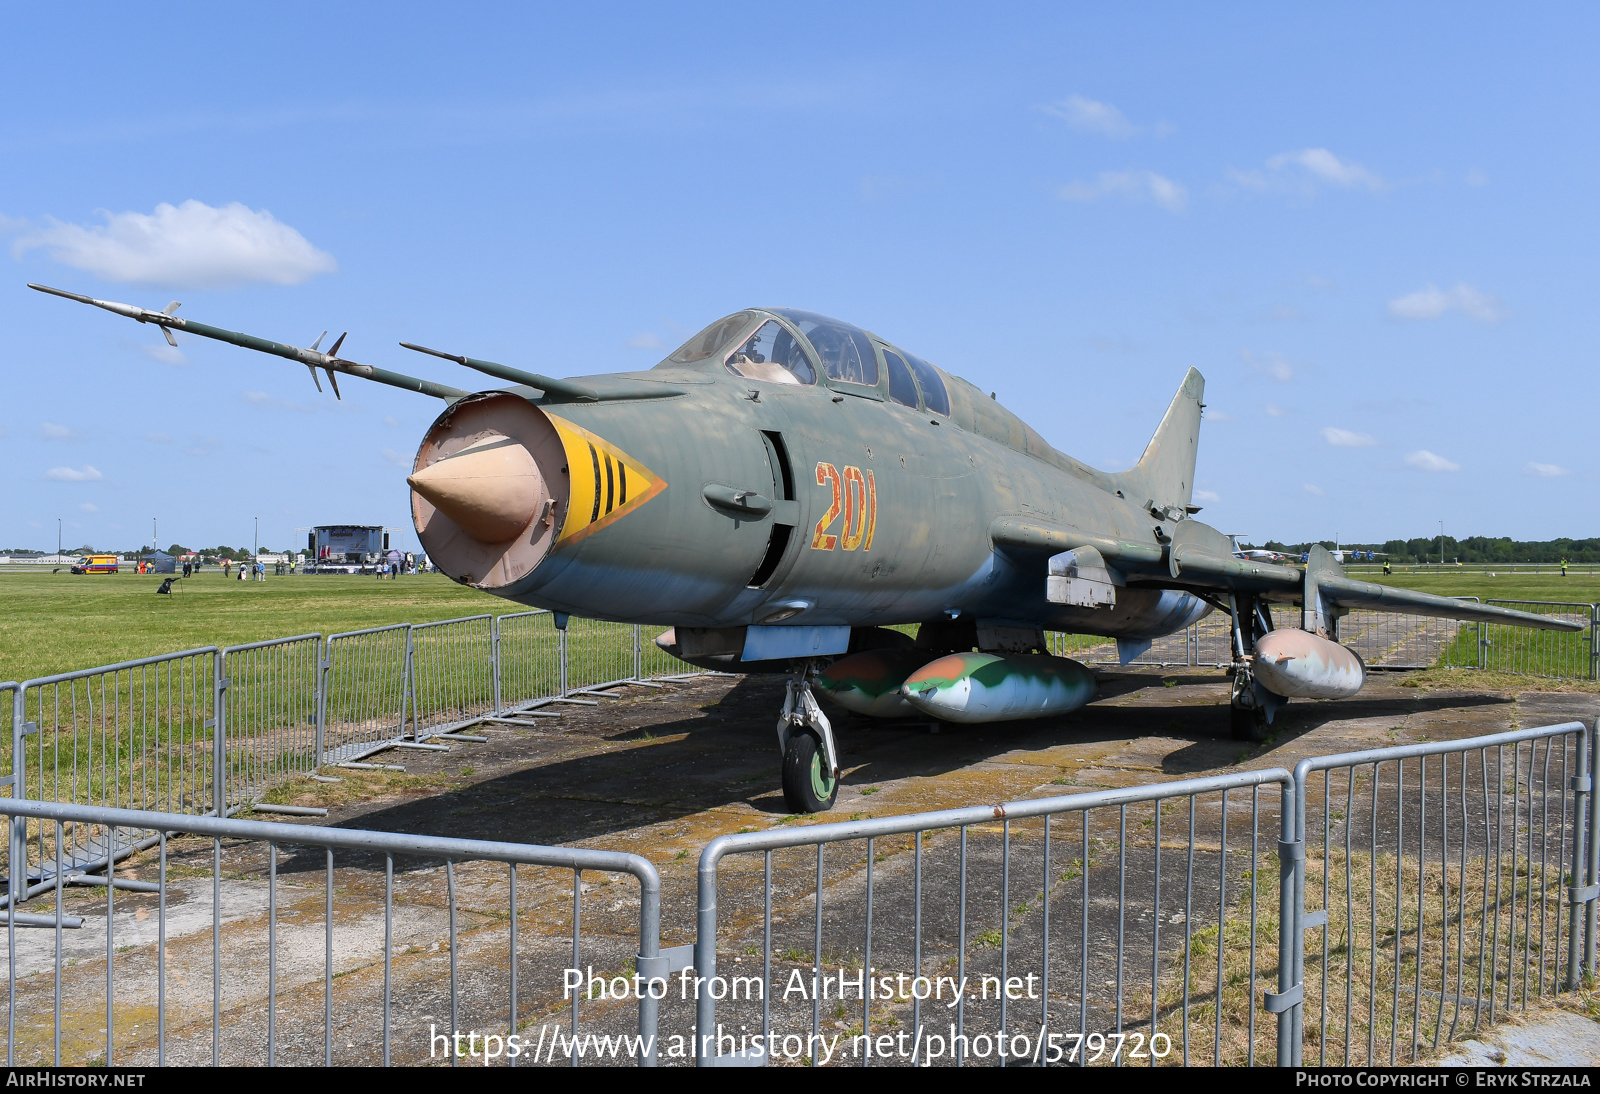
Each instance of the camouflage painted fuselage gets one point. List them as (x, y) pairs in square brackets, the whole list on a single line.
[(880, 514)]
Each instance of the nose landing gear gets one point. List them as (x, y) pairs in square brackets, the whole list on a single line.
[(805, 737)]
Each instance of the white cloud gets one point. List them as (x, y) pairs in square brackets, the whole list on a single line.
[(1089, 116), (72, 474), (157, 438), (1324, 165), (1312, 489), (1275, 365), (167, 355), (1209, 496), (1432, 302), (1275, 411), (396, 459), (645, 340), (1306, 170), (272, 402), (1170, 195), (390, 419), (192, 245), (1546, 470), (55, 432), (89, 507), (1217, 416), (1344, 438), (1476, 177), (1423, 460)]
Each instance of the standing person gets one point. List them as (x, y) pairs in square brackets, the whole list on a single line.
[(1563, 567), (394, 565), (227, 564)]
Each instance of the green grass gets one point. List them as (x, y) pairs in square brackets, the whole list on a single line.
[(1584, 588), (53, 623)]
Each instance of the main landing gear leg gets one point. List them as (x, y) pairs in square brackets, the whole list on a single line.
[(1248, 714), (810, 760)]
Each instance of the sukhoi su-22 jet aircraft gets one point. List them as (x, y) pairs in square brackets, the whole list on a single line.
[(784, 487)]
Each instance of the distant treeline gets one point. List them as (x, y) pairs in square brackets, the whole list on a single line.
[(1472, 549), (213, 554)]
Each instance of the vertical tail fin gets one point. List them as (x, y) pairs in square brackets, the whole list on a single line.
[(1164, 476)]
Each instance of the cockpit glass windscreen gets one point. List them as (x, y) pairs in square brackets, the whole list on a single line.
[(902, 389), (713, 338), (845, 351), (772, 354), (934, 396)]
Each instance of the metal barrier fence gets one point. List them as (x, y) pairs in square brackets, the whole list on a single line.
[(365, 691), (1062, 932), (527, 657), (1385, 640), (267, 696), (1448, 893), (429, 931), (452, 670), (597, 654), (144, 734), (9, 761), (1389, 640), (1561, 654), (138, 735)]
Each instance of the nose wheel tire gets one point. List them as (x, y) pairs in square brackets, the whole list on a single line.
[(1248, 723), (808, 785)]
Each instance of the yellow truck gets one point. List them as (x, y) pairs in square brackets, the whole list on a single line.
[(96, 564)]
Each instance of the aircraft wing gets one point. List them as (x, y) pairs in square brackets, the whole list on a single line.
[(1193, 563), (1348, 593)]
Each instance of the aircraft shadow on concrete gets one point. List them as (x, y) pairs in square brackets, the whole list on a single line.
[(729, 755)]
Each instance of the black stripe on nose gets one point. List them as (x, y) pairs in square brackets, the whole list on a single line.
[(594, 457)]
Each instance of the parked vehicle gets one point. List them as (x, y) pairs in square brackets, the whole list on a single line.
[(96, 564)]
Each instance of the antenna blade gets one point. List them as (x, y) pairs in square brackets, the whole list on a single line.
[(314, 379), (335, 384), (333, 351), (320, 337), (170, 308), (171, 341)]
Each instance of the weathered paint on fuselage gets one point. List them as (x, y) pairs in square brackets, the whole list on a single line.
[(927, 488)]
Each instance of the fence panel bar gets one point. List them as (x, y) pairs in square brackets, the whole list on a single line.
[(445, 904)]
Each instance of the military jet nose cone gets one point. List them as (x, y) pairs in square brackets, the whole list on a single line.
[(492, 488)]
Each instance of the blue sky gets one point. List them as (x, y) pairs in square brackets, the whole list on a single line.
[(1372, 228)]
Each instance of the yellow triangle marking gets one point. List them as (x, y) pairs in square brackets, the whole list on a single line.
[(607, 483)]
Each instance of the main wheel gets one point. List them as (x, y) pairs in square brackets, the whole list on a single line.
[(808, 785), (1248, 723)]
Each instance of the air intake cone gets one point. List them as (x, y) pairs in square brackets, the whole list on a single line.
[(491, 489)]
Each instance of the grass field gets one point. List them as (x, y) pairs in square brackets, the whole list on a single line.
[(57, 622), (1584, 588)]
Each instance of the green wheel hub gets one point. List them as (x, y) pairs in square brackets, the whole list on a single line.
[(822, 782)]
